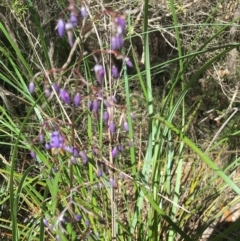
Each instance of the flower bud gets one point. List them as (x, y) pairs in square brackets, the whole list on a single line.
[(105, 116), (61, 27), (125, 125), (114, 152), (116, 42), (64, 96), (95, 106), (83, 12), (111, 127), (77, 217), (99, 72), (90, 105), (56, 87), (112, 182), (45, 222), (99, 172), (84, 156), (77, 99), (121, 22), (33, 154), (128, 62), (73, 19), (31, 87), (115, 72), (47, 92)]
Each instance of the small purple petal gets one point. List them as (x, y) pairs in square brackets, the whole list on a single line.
[(47, 92), (77, 99), (73, 160), (83, 12), (61, 27), (106, 116), (33, 154), (128, 62), (111, 127), (56, 87), (45, 222), (125, 125), (31, 87), (41, 138), (73, 19), (90, 105), (68, 149), (120, 148), (112, 182), (99, 72), (99, 172), (56, 140), (121, 22), (64, 96), (115, 72), (77, 217), (75, 152), (116, 42), (47, 146), (114, 152), (95, 106), (84, 156)]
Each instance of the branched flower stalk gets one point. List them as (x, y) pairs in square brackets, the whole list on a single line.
[(94, 98)]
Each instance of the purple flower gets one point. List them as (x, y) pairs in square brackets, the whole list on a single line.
[(77, 217), (56, 87), (99, 72), (73, 160), (56, 140), (111, 127), (114, 152), (120, 148), (121, 22), (99, 172), (45, 222), (73, 19), (33, 154), (90, 105), (47, 92), (75, 152), (68, 149), (115, 72), (77, 99), (84, 156), (31, 87), (83, 12), (116, 42), (112, 182), (128, 62), (61, 27), (125, 125), (64, 96), (105, 116), (47, 146), (95, 106), (41, 138)]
